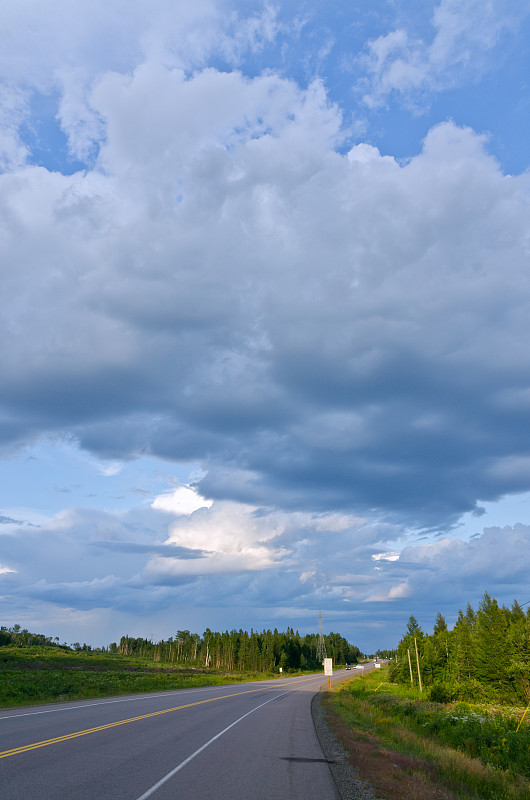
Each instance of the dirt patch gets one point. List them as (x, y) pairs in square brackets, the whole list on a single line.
[(393, 775)]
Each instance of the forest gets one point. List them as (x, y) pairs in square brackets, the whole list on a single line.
[(242, 651), (485, 657), (16, 635), (228, 651)]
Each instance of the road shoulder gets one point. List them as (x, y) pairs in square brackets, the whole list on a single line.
[(349, 786)]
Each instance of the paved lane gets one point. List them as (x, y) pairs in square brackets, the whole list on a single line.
[(245, 741)]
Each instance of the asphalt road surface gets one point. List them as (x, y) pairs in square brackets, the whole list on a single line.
[(251, 741)]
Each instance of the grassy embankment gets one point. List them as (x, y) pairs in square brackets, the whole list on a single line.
[(412, 749), (31, 675)]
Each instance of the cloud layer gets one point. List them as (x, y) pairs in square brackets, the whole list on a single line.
[(319, 330), (219, 274)]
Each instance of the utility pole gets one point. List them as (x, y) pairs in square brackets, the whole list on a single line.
[(321, 648), (410, 667)]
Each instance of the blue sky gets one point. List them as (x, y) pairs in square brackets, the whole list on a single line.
[(265, 318)]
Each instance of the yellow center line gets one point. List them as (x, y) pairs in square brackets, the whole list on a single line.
[(25, 748)]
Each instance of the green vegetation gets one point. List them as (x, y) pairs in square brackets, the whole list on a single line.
[(35, 669), (486, 657), (385, 654), (239, 650), (30, 675), (22, 637), (472, 751)]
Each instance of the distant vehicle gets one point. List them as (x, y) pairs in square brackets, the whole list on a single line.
[(348, 666), (359, 666)]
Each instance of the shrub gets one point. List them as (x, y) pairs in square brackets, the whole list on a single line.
[(442, 693), (471, 690)]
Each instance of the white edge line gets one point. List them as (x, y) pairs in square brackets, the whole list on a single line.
[(88, 704), (187, 760), (148, 696)]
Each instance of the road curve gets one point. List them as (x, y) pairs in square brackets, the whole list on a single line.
[(252, 740)]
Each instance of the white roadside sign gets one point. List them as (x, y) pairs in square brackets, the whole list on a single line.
[(328, 666)]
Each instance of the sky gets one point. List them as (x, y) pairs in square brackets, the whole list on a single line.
[(265, 315)]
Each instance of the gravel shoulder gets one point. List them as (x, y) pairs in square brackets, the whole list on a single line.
[(349, 786)]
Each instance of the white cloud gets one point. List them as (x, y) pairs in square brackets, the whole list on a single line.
[(445, 575), (465, 32), (305, 576), (385, 556), (398, 592), (103, 37), (165, 570), (183, 500), (110, 469), (14, 111), (498, 554), (229, 533), (81, 124)]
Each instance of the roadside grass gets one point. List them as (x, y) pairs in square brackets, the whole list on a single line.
[(407, 747), (33, 675)]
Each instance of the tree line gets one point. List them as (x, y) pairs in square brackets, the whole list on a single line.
[(239, 650), (16, 636), (228, 651), (486, 656)]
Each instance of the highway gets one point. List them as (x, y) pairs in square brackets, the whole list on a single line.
[(250, 740)]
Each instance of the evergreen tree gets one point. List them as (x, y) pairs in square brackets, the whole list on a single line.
[(491, 650), (485, 656), (438, 653), (440, 626)]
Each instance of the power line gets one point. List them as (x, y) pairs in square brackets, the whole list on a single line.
[(321, 649)]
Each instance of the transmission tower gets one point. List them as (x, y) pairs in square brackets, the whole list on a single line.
[(321, 647)]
